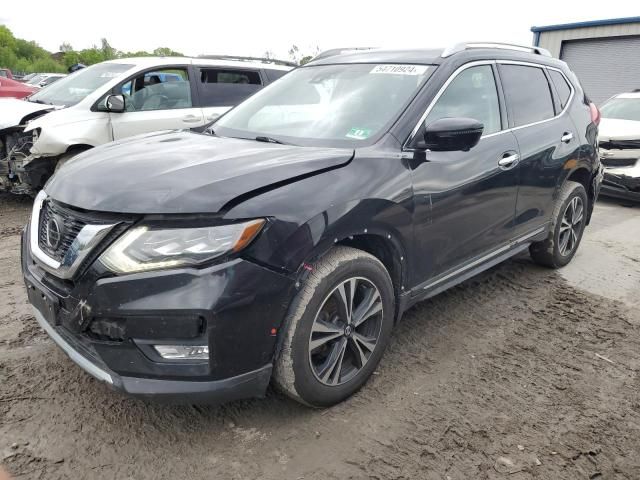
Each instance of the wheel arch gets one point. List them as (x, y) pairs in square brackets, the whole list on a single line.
[(584, 177)]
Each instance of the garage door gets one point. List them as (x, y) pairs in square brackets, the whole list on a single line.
[(605, 66)]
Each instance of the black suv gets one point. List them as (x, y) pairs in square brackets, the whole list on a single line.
[(286, 242)]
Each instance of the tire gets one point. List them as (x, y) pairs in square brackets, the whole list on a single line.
[(553, 252), (318, 313)]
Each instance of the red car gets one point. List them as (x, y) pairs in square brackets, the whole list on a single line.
[(11, 88)]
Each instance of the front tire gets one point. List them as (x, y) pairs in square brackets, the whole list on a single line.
[(567, 227), (337, 328)]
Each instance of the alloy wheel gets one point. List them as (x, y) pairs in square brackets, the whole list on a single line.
[(345, 331), (571, 226)]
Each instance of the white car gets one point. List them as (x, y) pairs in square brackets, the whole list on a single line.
[(40, 80), (619, 142), (117, 99)]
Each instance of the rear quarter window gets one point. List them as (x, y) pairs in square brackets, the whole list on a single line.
[(562, 87), (528, 94)]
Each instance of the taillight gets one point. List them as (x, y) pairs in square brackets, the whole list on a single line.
[(595, 113)]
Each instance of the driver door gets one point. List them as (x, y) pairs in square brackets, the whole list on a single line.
[(466, 200), (157, 100)]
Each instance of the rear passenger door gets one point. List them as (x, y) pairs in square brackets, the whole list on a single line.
[(221, 88), (546, 136)]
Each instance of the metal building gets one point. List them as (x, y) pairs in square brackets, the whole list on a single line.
[(604, 54)]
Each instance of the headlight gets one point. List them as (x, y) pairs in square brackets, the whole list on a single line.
[(35, 134), (147, 248)]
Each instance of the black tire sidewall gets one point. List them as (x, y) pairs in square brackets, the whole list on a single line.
[(559, 259), (307, 386)]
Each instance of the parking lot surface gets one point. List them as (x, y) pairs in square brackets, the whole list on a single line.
[(521, 372)]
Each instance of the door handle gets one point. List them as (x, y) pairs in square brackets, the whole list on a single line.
[(567, 137), (191, 119), (508, 160)]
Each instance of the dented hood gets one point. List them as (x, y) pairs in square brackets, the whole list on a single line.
[(12, 111), (183, 172)]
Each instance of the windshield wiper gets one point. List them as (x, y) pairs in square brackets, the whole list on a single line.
[(269, 140), (41, 102)]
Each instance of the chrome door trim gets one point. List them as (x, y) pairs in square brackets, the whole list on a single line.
[(491, 62), (484, 258)]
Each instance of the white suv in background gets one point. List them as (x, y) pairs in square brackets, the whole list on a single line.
[(619, 144), (118, 99)]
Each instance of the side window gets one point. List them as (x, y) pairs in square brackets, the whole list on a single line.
[(528, 93), (224, 87), (471, 94), (562, 87), (166, 89), (275, 74)]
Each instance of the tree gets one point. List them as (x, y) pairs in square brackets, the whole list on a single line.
[(108, 52), (166, 52), (66, 47)]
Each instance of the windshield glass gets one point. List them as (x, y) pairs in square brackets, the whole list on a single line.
[(72, 89), (35, 80), (622, 109), (327, 105)]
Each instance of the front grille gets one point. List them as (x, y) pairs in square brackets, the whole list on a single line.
[(620, 144), (618, 162), (68, 224)]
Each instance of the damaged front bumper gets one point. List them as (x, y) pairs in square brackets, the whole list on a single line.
[(621, 174), (21, 172)]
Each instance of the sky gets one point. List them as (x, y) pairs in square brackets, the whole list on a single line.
[(253, 27)]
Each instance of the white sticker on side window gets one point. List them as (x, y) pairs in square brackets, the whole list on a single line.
[(400, 69)]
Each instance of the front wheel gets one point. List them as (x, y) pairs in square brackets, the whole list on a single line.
[(567, 227), (337, 328)]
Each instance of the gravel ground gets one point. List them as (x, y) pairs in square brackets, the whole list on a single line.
[(519, 373)]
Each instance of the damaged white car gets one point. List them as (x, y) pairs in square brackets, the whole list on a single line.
[(117, 99), (619, 142)]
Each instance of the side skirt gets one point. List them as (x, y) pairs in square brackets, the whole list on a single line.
[(470, 269)]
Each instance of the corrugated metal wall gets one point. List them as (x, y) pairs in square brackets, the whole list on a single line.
[(605, 58), (552, 40), (605, 66)]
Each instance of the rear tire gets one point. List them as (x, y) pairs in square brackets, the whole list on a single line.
[(329, 352), (567, 226)]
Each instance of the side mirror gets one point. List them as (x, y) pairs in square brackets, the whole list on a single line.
[(452, 134), (115, 103)]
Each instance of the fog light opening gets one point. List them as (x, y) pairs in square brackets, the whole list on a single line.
[(183, 352)]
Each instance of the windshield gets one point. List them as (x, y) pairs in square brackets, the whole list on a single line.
[(35, 79), (72, 89), (622, 109), (327, 105)]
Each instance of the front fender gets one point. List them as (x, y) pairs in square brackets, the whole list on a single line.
[(56, 139), (369, 196)]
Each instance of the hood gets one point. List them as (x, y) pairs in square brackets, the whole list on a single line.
[(616, 129), (12, 111), (183, 172)]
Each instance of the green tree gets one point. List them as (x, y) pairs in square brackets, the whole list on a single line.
[(66, 47)]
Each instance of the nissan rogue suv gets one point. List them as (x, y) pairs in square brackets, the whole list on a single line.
[(286, 242)]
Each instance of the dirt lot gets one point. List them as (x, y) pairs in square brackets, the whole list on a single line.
[(519, 373)]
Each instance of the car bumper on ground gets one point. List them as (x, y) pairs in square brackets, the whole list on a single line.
[(235, 308), (621, 186)]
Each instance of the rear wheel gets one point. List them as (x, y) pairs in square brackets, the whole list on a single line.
[(567, 227), (338, 328)]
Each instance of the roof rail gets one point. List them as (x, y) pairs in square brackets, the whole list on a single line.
[(249, 59), (339, 51), (459, 47)]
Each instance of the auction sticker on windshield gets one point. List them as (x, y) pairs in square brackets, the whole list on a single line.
[(400, 69), (359, 133)]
